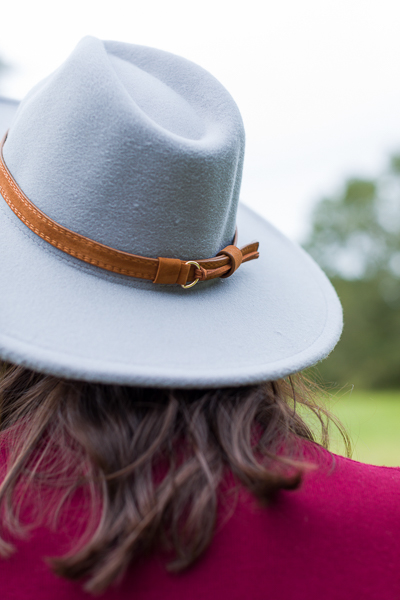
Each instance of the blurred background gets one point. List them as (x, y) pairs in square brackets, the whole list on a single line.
[(318, 86)]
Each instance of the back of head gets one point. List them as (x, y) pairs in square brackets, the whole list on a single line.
[(148, 357)]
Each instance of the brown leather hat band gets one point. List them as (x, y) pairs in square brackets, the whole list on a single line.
[(158, 270)]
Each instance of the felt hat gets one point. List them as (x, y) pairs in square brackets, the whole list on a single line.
[(137, 154)]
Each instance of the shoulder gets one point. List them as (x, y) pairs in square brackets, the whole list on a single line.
[(339, 493), (339, 479), (341, 502), (343, 508), (342, 525)]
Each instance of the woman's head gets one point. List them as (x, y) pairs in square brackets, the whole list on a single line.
[(119, 181)]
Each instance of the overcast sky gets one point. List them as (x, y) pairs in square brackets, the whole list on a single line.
[(317, 81)]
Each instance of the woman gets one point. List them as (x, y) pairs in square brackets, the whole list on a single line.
[(151, 441)]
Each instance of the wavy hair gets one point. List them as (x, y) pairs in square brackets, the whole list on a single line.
[(152, 460)]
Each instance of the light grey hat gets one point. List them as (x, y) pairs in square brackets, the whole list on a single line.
[(142, 151)]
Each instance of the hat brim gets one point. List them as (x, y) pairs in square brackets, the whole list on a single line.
[(275, 316)]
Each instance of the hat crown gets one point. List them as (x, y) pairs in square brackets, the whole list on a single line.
[(133, 147)]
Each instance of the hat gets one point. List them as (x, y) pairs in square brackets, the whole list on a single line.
[(137, 154)]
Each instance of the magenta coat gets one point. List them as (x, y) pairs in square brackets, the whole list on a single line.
[(336, 538)]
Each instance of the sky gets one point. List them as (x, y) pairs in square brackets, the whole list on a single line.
[(317, 81)]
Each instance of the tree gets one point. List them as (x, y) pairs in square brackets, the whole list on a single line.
[(355, 237)]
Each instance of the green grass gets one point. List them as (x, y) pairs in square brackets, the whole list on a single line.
[(372, 420)]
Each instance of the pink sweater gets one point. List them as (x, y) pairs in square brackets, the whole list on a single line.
[(336, 538)]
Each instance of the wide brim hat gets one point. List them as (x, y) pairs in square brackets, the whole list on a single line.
[(142, 151)]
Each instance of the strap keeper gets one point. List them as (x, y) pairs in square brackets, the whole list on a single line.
[(168, 271), (235, 256)]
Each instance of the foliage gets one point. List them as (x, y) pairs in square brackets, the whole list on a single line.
[(368, 355), (355, 237)]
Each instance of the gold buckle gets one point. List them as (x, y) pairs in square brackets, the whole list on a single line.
[(189, 285)]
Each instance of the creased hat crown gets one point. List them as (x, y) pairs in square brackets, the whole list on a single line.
[(132, 147)]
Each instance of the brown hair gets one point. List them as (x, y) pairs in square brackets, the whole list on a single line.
[(153, 460)]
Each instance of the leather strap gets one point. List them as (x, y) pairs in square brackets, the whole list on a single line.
[(236, 258), (159, 270)]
